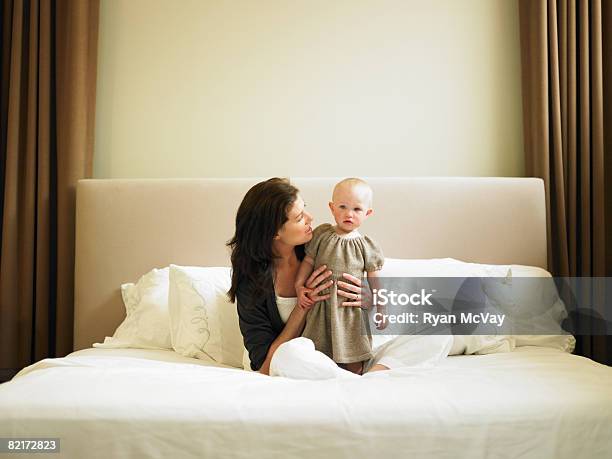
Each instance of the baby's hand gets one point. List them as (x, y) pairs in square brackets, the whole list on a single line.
[(382, 324), (303, 300)]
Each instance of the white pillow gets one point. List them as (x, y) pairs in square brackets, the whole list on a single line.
[(450, 267), (412, 269), (482, 344), (203, 322), (440, 267), (146, 325), (564, 342), (425, 273), (246, 361)]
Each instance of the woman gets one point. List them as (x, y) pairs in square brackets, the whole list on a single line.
[(272, 227)]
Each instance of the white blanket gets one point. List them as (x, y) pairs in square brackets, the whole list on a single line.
[(298, 358), (101, 403)]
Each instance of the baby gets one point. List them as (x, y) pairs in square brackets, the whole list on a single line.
[(341, 332)]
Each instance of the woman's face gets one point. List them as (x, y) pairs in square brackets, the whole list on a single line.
[(296, 230)]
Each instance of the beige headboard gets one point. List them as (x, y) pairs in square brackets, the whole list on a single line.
[(126, 227)]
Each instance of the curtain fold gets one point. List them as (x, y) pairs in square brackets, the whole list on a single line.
[(565, 54), (47, 107)]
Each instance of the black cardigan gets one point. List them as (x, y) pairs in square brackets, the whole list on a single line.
[(259, 319), (260, 323)]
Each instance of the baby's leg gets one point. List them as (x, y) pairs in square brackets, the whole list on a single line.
[(354, 367)]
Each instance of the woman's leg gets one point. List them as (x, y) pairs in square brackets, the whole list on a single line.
[(377, 367), (409, 351), (298, 359)]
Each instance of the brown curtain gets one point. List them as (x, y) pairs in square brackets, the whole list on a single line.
[(47, 99), (566, 48)]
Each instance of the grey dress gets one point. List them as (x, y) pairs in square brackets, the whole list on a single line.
[(341, 332)]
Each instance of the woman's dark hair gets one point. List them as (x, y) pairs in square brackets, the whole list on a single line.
[(261, 215)]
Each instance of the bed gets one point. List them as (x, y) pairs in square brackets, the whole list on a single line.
[(532, 402)]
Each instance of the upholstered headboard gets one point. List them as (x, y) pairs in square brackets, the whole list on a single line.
[(124, 228)]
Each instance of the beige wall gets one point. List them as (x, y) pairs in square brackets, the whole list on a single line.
[(215, 88)]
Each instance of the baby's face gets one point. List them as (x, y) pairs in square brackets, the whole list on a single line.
[(350, 206)]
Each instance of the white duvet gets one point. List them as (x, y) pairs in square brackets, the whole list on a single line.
[(101, 403)]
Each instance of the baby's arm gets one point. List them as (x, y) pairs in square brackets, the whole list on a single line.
[(306, 268), (374, 283)]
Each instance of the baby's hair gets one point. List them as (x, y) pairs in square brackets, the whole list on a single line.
[(353, 182)]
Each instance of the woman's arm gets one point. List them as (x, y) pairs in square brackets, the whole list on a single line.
[(255, 325), (293, 329), (359, 297)]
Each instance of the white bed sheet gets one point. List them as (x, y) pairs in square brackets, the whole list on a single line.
[(534, 402)]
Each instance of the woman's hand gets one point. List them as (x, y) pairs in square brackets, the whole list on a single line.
[(315, 283), (353, 292)]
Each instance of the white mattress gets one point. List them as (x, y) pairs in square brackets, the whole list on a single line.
[(101, 403)]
